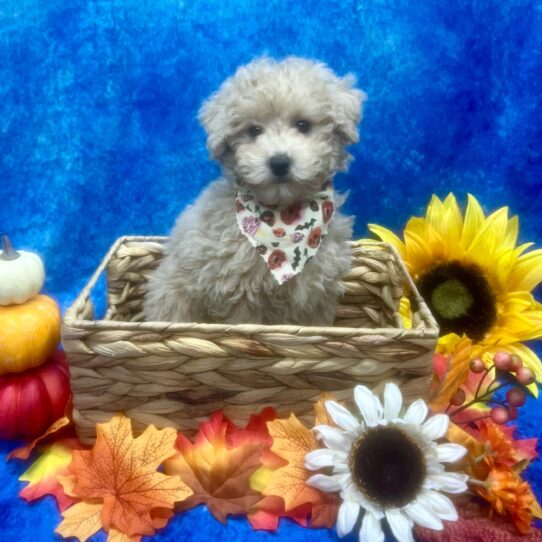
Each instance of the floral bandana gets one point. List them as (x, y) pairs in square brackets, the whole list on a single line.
[(285, 237)]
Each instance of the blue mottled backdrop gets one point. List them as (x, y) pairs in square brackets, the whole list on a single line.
[(99, 138)]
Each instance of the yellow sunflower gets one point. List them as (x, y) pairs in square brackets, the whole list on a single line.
[(475, 279)]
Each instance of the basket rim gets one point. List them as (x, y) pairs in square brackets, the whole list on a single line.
[(430, 331)]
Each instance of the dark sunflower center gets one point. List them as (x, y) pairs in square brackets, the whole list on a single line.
[(388, 466), (460, 299), (452, 299)]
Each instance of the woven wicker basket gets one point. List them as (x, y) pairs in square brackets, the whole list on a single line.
[(177, 374)]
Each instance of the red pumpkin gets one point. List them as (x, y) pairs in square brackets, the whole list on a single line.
[(32, 400)]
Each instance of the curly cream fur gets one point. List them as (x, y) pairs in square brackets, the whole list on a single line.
[(211, 273)]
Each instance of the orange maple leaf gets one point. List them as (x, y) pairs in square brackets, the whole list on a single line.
[(292, 441), (267, 512), (23, 452), (217, 474), (119, 474), (265, 516), (321, 415)]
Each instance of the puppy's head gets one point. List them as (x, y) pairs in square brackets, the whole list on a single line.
[(281, 127)]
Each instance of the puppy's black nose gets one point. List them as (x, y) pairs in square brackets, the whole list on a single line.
[(280, 164)]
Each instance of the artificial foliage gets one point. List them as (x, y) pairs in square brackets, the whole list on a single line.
[(117, 482), (24, 452), (259, 470), (100, 138), (276, 468), (292, 441), (42, 476), (217, 473), (476, 278)]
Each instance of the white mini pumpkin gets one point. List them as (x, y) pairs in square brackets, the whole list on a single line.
[(21, 274)]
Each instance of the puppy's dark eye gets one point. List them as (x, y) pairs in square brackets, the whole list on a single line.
[(255, 131), (303, 126)]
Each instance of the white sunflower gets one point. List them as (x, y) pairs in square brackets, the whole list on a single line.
[(386, 465)]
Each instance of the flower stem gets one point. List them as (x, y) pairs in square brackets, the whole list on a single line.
[(473, 420), (486, 372), (491, 392), (475, 482), (479, 399)]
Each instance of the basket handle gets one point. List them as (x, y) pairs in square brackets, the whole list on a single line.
[(378, 279), (83, 308)]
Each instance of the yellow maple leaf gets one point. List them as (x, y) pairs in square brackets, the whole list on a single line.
[(81, 521), (118, 536)]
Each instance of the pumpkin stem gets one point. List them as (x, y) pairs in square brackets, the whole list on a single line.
[(8, 252)]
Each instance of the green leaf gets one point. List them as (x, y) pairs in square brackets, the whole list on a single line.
[(297, 258), (305, 226)]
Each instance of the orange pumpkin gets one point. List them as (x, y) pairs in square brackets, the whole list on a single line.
[(31, 401), (29, 333)]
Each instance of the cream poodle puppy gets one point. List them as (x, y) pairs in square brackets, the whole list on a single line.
[(266, 243)]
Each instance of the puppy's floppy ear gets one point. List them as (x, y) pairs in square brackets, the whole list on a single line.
[(346, 104), (213, 116)]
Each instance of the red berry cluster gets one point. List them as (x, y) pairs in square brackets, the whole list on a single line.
[(509, 371)]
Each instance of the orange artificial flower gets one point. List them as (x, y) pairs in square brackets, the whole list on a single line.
[(509, 495), (501, 451), (494, 461)]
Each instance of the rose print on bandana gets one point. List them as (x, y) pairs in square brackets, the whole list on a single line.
[(327, 210), (268, 217), (292, 213), (314, 238), (285, 237), (251, 224), (276, 259)]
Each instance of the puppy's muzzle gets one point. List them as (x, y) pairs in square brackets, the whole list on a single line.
[(280, 164)]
